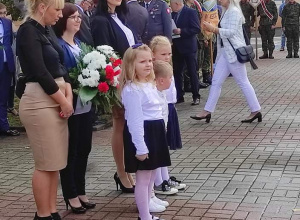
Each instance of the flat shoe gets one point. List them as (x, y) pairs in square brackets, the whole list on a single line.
[(9, 133)]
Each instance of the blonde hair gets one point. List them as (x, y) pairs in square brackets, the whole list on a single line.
[(128, 66), (159, 41), (32, 5), (162, 69)]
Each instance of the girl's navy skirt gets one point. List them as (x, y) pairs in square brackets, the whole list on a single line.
[(173, 130), (156, 141)]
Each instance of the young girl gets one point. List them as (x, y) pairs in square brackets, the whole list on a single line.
[(161, 49), (145, 143)]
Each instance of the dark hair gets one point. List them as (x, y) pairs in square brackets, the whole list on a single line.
[(61, 25), (102, 8)]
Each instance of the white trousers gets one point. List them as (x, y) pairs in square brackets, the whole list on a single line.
[(239, 72)]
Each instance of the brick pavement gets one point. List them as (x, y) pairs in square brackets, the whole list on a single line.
[(233, 170)]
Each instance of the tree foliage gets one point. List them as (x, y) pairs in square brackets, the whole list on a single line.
[(13, 8)]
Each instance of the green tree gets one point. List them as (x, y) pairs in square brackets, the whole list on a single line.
[(12, 9)]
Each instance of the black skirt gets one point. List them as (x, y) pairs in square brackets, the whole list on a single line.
[(156, 141), (173, 130)]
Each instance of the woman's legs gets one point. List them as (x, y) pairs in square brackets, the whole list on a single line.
[(42, 188), (239, 73), (118, 149), (220, 75), (53, 191)]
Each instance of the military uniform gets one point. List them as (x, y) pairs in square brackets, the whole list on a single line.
[(265, 28), (290, 22), (160, 20), (248, 12)]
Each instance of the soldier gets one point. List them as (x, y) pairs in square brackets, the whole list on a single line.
[(267, 11), (160, 20), (248, 12), (290, 25)]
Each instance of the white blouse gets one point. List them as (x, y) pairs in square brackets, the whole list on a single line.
[(141, 103), (171, 93), (164, 105), (126, 30)]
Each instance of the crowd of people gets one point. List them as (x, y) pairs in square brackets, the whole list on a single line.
[(161, 47)]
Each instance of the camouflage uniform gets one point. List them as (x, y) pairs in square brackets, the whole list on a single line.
[(248, 12), (290, 21), (265, 28)]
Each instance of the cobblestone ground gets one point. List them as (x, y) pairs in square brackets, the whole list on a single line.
[(233, 170)]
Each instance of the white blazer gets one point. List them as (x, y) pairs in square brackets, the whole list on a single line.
[(231, 28)]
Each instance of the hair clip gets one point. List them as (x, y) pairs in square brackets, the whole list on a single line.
[(136, 45)]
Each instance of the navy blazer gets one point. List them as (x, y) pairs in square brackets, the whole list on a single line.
[(188, 22), (69, 59), (7, 46), (106, 31)]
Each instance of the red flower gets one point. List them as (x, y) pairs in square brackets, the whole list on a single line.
[(117, 72), (103, 87), (117, 62), (110, 73)]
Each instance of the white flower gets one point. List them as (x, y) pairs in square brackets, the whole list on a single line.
[(91, 78), (107, 50), (116, 81)]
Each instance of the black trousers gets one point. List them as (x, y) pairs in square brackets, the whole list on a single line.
[(80, 144), (179, 62)]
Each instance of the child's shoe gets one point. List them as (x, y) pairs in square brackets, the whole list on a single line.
[(159, 201), (165, 189), (174, 183), (154, 207)]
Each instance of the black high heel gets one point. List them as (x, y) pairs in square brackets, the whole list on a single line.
[(87, 205), (207, 117), (56, 216), (257, 116), (123, 188), (75, 210), (36, 217)]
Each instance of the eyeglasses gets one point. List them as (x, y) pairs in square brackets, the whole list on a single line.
[(76, 18), (136, 45)]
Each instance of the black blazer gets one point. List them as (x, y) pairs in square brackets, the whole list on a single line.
[(106, 31), (84, 33), (188, 22)]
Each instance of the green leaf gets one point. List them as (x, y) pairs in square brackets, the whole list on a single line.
[(87, 94)]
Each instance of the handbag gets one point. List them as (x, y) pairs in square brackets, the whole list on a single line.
[(20, 85), (245, 53)]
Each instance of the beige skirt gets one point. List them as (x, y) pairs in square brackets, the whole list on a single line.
[(47, 131)]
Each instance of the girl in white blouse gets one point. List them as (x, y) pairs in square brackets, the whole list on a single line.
[(145, 143)]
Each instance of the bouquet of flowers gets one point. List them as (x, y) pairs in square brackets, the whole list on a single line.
[(95, 78)]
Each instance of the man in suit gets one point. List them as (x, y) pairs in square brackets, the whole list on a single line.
[(185, 48), (7, 70), (84, 34), (137, 19), (160, 21)]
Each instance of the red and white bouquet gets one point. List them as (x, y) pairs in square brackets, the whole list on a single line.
[(95, 78)]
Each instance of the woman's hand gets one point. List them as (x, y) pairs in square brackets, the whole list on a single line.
[(208, 26), (66, 109), (142, 157)]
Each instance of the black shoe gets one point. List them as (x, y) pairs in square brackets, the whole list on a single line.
[(87, 205), (123, 188), (206, 117), (36, 217), (56, 216), (75, 210), (282, 49), (257, 116), (153, 217), (296, 55), (9, 132), (271, 55), (265, 56), (196, 101), (180, 100), (203, 85), (289, 55), (230, 75)]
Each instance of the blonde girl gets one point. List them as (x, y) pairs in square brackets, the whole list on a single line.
[(145, 143)]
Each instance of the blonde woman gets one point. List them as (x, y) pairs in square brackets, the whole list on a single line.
[(229, 32), (46, 103)]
